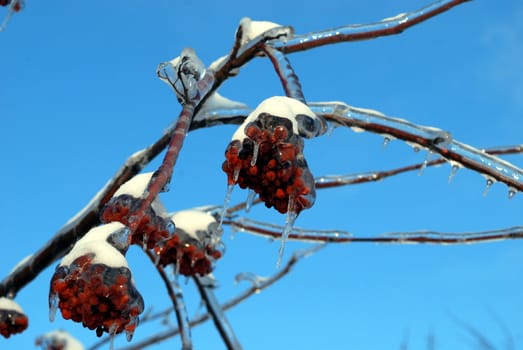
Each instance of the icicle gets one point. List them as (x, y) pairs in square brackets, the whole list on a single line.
[(53, 306), (490, 182), (250, 200), (112, 334), (254, 158), (425, 162), (511, 192), (330, 128), (236, 174), (129, 330), (226, 202), (179, 256), (289, 224), (453, 171), (145, 239)]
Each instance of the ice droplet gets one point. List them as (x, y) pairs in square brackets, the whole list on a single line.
[(386, 141), (488, 185), (53, 306), (289, 223), (453, 171), (511, 192), (226, 202), (254, 279), (254, 158), (250, 200), (357, 129)]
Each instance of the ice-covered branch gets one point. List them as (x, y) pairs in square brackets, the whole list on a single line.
[(289, 79), (340, 236), (328, 181), (433, 139), (354, 32), (205, 288)]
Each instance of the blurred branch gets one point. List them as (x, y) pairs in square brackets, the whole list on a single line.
[(217, 313), (253, 290), (177, 300)]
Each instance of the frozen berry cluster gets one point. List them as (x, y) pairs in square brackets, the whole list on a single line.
[(195, 245), (101, 297), (270, 161), (152, 228), (58, 340), (12, 318), (17, 6)]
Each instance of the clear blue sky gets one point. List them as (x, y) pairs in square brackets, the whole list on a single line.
[(78, 95)]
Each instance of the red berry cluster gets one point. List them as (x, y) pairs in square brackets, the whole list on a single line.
[(190, 256), (12, 322), (99, 296), (270, 161), (153, 228), (16, 7)]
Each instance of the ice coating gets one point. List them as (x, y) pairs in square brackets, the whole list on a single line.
[(217, 103), (187, 75), (10, 304), (252, 29), (95, 242), (289, 108), (59, 339)]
